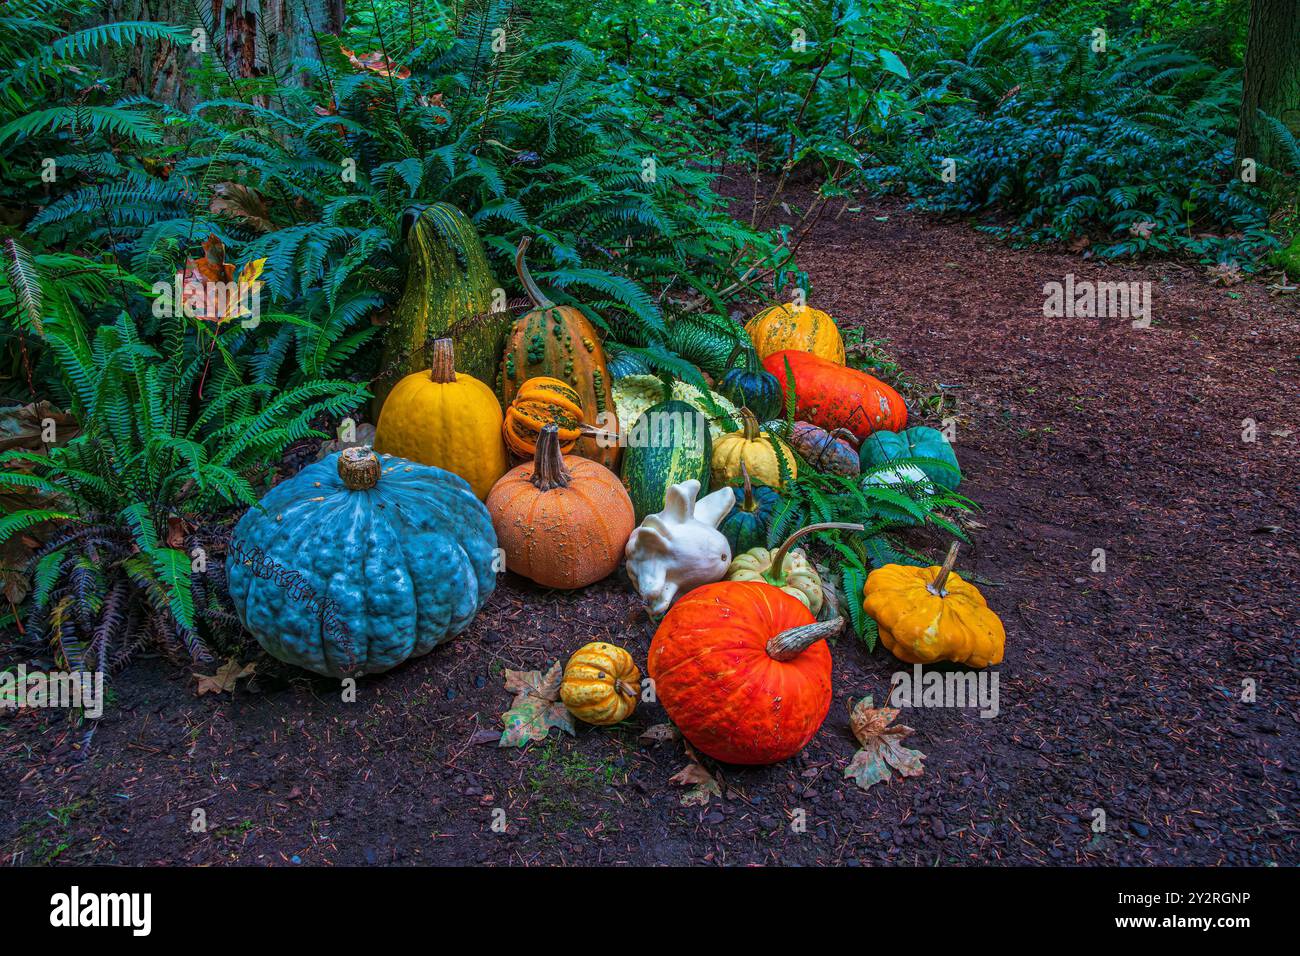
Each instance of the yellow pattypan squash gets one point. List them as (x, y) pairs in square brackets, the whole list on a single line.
[(931, 614)]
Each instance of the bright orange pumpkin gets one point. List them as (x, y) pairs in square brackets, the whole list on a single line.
[(542, 401), (796, 327), (562, 521), (742, 670), (836, 396)]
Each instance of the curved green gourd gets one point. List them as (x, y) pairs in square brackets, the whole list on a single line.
[(918, 442), (747, 524), (668, 444), (360, 562)]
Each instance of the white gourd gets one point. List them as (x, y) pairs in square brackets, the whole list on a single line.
[(680, 548)]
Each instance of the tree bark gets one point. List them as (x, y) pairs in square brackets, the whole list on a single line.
[(248, 38), (1271, 80)]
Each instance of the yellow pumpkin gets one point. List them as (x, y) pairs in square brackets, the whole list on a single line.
[(756, 450), (447, 419), (539, 402), (791, 571), (601, 684), (796, 327), (931, 614)]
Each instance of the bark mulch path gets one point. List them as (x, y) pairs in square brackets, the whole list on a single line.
[(1121, 690)]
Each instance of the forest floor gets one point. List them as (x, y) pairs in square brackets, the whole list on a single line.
[(1121, 690)]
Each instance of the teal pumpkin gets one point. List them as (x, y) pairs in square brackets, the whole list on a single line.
[(919, 442), (361, 561), (623, 362), (755, 389), (747, 524), (668, 443)]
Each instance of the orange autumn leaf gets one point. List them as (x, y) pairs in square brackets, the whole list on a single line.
[(376, 62), (210, 289)]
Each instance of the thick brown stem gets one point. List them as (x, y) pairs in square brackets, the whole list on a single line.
[(442, 361), (548, 462), (359, 468), (790, 644), (539, 301), (749, 423), (778, 559), (936, 587)]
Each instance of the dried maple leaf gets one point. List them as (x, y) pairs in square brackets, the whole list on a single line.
[(1225, 273), (882, 746), (1141, 229), (376, 62), (658, 734), (225, 677), (703, 785), (205, 284), (240, 202), (536, 708)]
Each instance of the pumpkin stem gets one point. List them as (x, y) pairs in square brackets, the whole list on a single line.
[(747, 505), (442, 362), (539, 301), (936, 587), (789, 644), (846, 435), (779, 558), (749, 422), (359, 468), (548, 462)]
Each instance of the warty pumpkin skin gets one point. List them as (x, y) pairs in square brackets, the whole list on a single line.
[(930, 614), (835, 396), (542, 401), (557, 341), (742, 670), (562, 521), (359, 562), (601, 684), (756, 450), (796, 327), (446, 419)]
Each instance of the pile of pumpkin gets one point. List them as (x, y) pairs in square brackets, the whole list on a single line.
[(404, 540)]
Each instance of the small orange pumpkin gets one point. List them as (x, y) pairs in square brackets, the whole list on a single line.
[(562, 521), (542, 401)]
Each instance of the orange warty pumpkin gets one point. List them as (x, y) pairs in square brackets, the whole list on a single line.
[(836, 396), (557, 341), (742, 670), (542, 401), (562, 521), (796, 327)]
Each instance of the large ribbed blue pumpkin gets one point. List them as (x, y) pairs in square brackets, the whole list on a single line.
[(361, 561)]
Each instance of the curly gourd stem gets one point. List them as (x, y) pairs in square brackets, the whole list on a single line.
[(442, 362), (359, 468), (539, 301), (747, 505), (749, 422), (936, 586), (548, 462), (791, 643), (779, 558)]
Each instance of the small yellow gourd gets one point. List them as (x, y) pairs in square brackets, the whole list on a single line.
[(601, 684), (931, 614), (756, 450), (447, 419)]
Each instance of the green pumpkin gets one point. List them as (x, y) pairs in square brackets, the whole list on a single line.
[(746, 525), (919, 442), (755, 389), (361, 561), (709, 342), (622, 362), (669, 443)]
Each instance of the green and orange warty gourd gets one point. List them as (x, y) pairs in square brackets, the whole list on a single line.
[(446, 419), (562, 521), (557, 341), (540, 402), (743, 671), (601, 684), (931, 614), (796, 327)]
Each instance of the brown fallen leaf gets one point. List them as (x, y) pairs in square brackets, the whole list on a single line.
[(658, 734), (882, 746), (536, 707), (376, 62), (175, 533), (240, 202), (224, 679), (703, 785)]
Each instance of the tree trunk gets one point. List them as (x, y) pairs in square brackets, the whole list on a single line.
[(244, 38), (1272, 78)]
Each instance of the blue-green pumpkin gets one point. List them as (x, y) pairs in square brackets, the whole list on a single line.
[(747, 524), (361, 561), (755, 389), (919, 442), (668, 444), (622, 362)]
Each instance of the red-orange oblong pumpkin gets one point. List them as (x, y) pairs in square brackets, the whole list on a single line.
[(835, 396), (713, 664)]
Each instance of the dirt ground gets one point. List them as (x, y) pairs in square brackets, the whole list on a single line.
[(1121, 690)]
